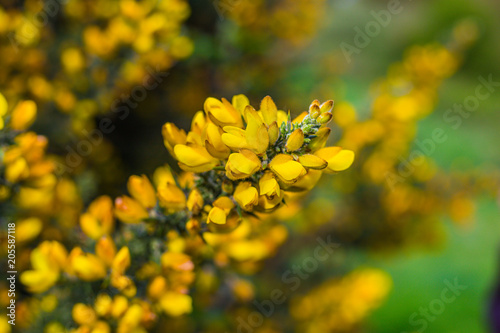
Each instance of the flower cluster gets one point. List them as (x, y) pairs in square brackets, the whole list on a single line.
[(243, 160)]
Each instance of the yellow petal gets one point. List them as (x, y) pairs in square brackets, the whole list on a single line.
[(105, 249), (217, 216), (320, 140), (295, 141), (129, 210), (286, 168), (142, 190), (256, 131), (269, 110), (240, 102), (172, 197), (195, 157), (3, 106), (242, 165), (222, 113), (268, 185), (274, 133), (312, 162), (235, 138), (214, 144), (338, 159), (246, 196), (121, 261)]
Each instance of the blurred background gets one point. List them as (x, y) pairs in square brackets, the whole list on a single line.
[(416, 218)]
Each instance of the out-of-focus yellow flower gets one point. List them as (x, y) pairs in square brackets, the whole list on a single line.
[(338, 159), (23, 115), (121, 261), (28, 229), (47, 260), (172, 197), (83, 314), (195, 201), (105, 249), (142, 190), (86, 266), (176, 304), (99, 220), (129, 210)]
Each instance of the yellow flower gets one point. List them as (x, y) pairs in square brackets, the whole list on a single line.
[(268, 185), (295, 141), (242, 165), (256, 134), (173, 136), (47, 261), (142, 190), (176, 304), (195, 202), (86, 266), (338, 159), (222, 113), (246, 196), (128, 210), (286, 168), (312, 162), (23, 115), (176, 261), (269, 110), (83, 314), (103, 304), (105, 249), (17, 170), (99, 220), (194, 158), (172, 197), (28, 229), (221, 209), (121, 261), (214, 144)]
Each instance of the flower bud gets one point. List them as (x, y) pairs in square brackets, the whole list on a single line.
[(324, 118), (327, 107)]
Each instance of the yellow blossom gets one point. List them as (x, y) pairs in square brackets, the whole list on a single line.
[(142, 190), (242, 165), (246, 196), (129, 210)]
